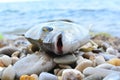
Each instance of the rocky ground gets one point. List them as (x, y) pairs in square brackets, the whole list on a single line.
[(97, 60)]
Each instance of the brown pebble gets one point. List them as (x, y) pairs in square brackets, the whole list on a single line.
[(84, 64), (114, 61), (6, 60), (8, 50), (72, 74)]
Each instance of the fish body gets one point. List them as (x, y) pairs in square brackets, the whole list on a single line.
[(59, 37)]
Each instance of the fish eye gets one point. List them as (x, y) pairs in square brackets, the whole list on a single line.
[(47, 29)]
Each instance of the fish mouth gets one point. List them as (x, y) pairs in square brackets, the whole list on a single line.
[(59, 44)]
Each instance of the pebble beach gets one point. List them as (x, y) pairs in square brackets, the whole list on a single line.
[(99, 59)]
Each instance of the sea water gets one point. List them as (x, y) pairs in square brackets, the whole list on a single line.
[(102, 15)]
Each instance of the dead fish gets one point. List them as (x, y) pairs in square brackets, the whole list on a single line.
[(59, 37)]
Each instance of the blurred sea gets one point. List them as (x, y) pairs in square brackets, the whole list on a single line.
[(104, 15)]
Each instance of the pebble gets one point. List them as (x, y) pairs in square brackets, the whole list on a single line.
[(84, 64), (99, 71), (6, 60), (112, 76), (66, 59), (8, 73), (8, 50), (87, 55), (58, 72), (35, 76), (1, 63), (1, 71), (116, 68), (112, 51), (114, 61), (16, 54), (47, 76), (94, 77), (108, 56), (14, 59), (72, 74), (27, 77), (33, 64), (99, 60), (105, 66)]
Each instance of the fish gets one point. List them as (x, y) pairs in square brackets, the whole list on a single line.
[(58, 36)]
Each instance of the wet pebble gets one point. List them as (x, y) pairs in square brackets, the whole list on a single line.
[(72, 74), (66, 59), (47, 76)]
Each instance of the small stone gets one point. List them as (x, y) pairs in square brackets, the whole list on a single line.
[(114, 61), (58, 72), (27, 77), (112, 51), (63, 66), (6, 60), (87, 55), (35, 76), (112, 76), (1, 63), (16, 54), (84, 64), (8, 73), (1, 71), (66, 59), (108, 56), (103, 72), (105, 66), (116, 68), (72, 74), (99, 60), (8, 50), (34, 63), (47, 76), (14, 60), (80, 59)]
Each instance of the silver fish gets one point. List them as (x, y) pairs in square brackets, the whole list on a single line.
[(59, 37)]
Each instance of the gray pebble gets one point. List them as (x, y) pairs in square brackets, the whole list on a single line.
[(47, 76), (112, 76)]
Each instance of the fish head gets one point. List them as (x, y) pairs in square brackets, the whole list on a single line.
[(58, 43)]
